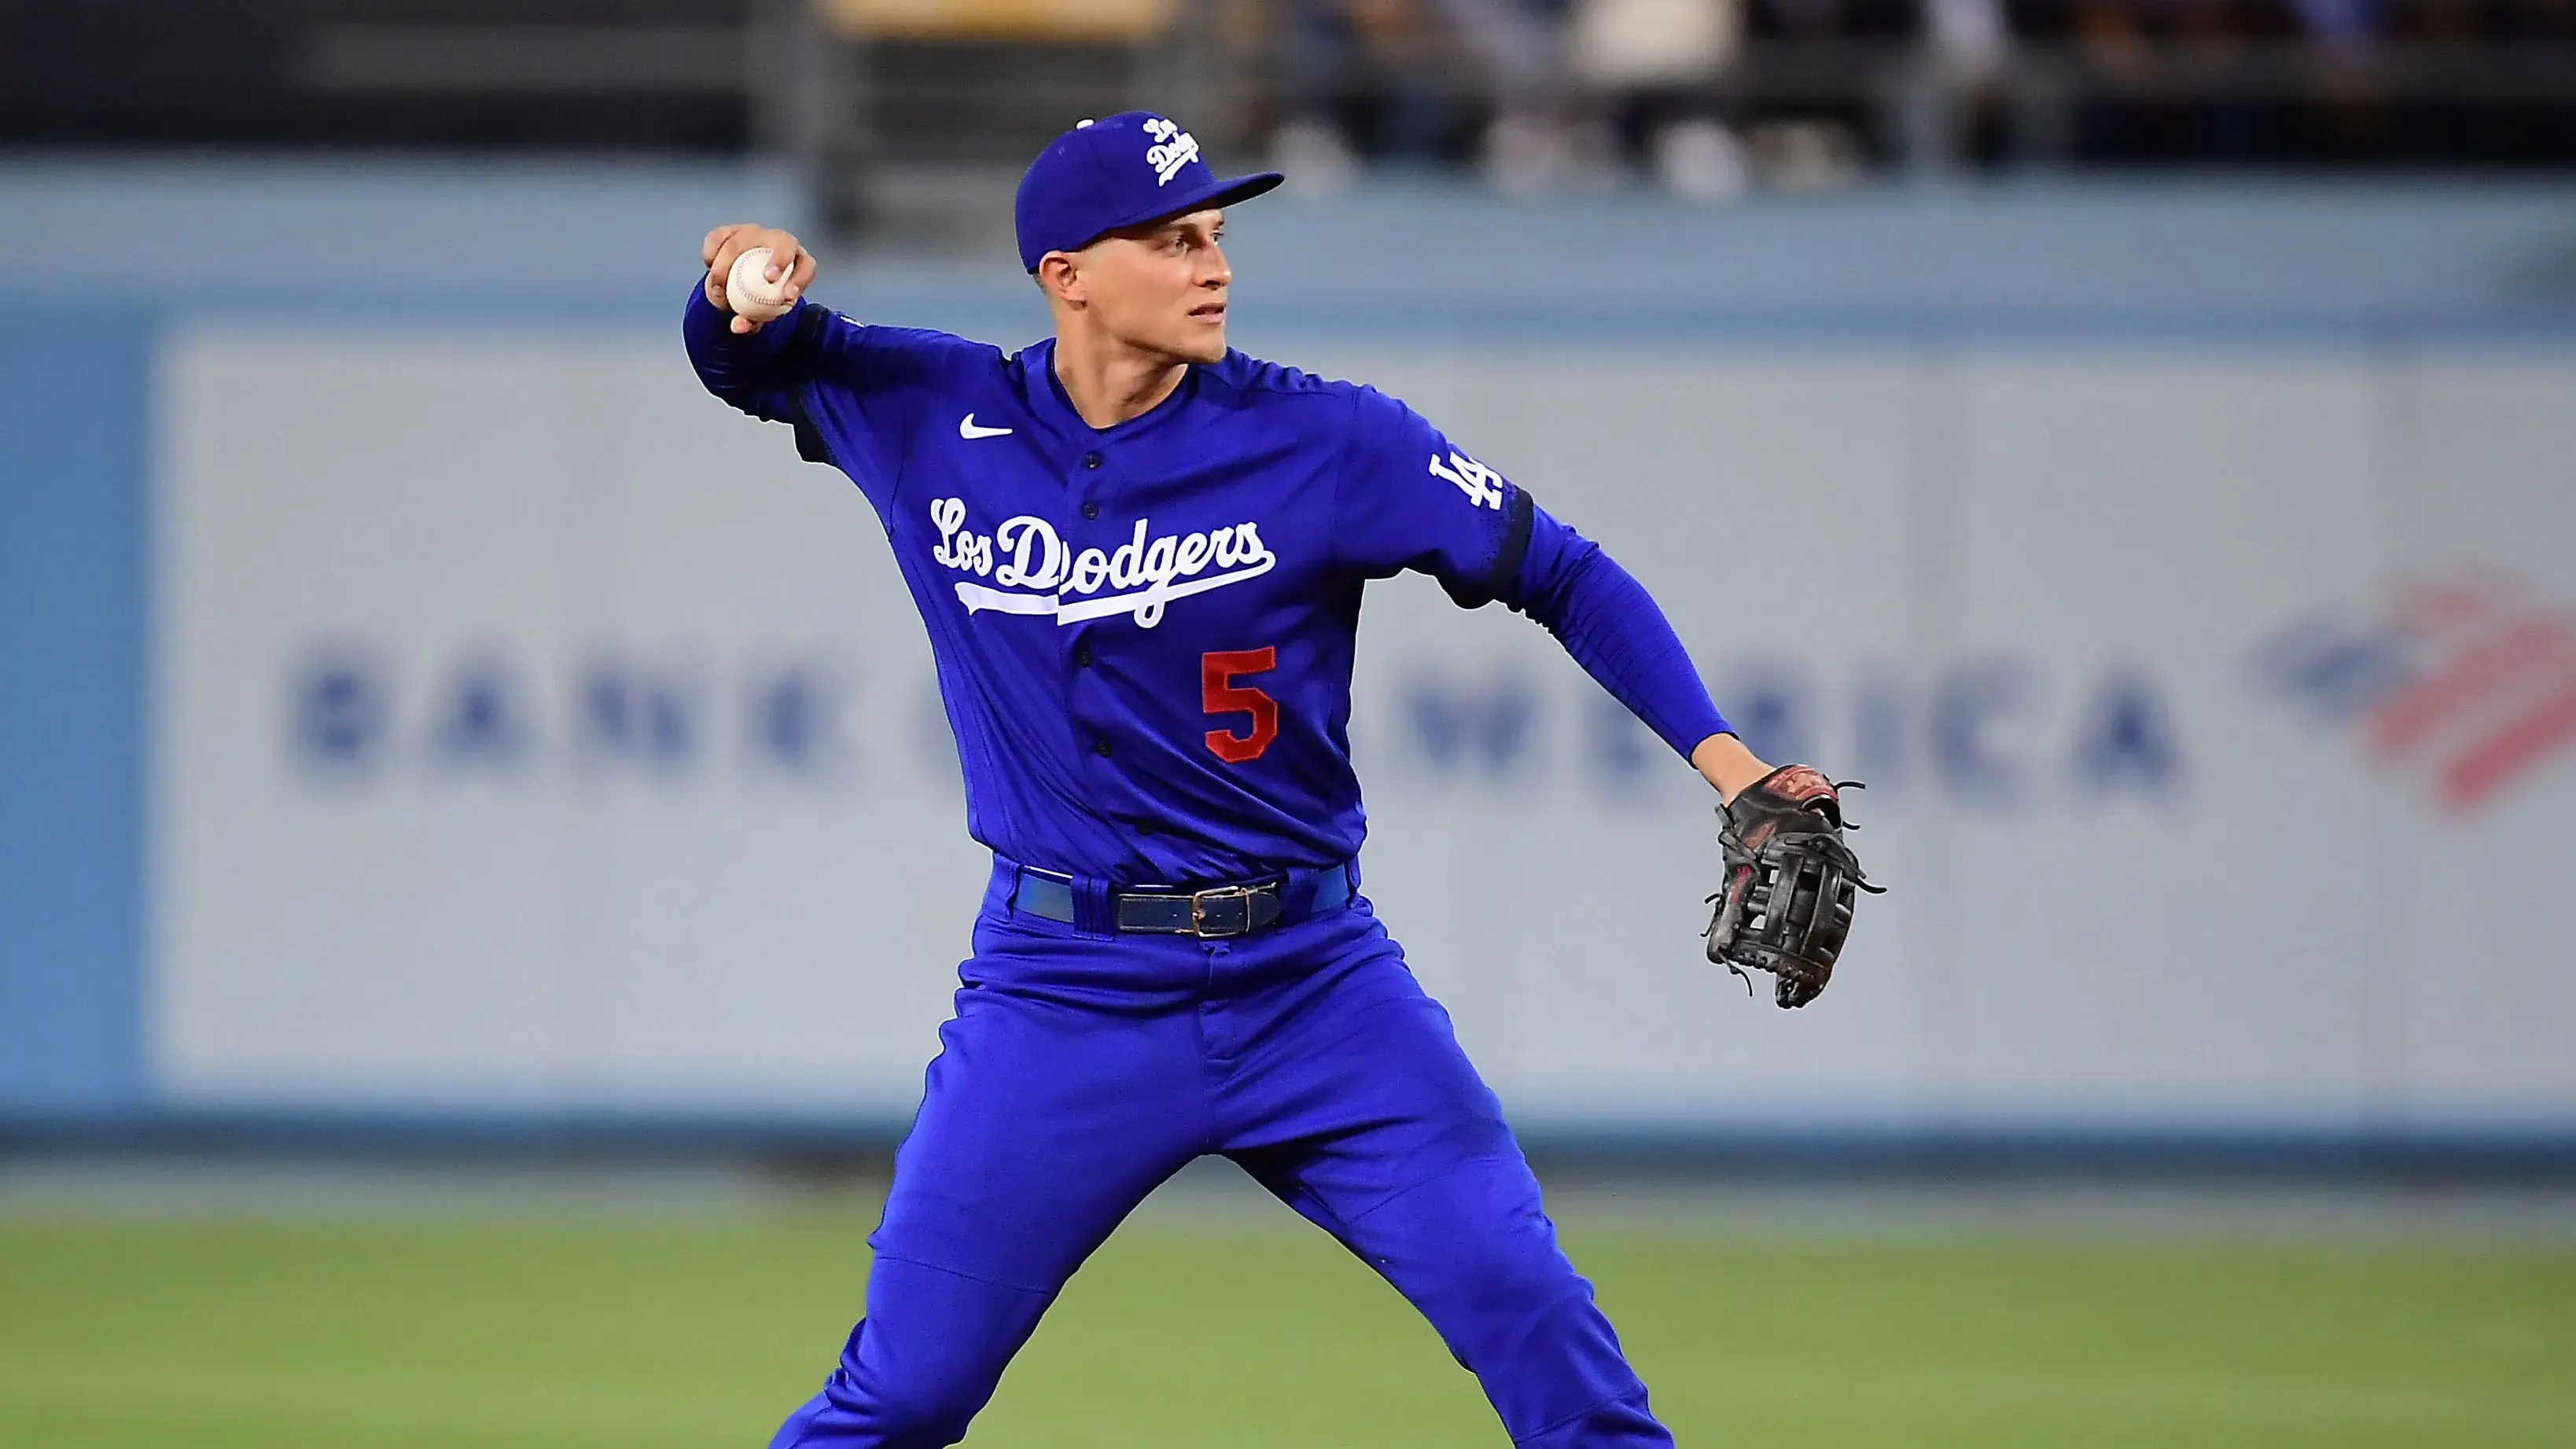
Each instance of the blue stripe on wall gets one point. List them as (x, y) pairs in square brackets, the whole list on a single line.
[(74, 468)]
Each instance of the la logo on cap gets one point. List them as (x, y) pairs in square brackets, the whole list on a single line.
[(1174, 148)]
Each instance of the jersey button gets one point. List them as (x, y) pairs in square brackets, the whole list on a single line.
[(1082, 656), (1091, 510), (1091, 460), (1100, 748)]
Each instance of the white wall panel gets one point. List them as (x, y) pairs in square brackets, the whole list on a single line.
[(552, 910), (2490, 997), (659, 813), (2138, 523), (387, 504)]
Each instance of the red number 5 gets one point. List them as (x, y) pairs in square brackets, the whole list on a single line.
[(1219, 695)]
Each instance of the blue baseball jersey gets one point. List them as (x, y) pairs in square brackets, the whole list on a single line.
[(1144, 633)]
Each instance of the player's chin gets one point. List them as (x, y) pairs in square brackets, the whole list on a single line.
[(1203, 334)]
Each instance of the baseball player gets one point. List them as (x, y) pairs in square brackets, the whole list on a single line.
[(1140, 557)]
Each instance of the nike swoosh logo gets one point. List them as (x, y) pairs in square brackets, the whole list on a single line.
[(966, 429)]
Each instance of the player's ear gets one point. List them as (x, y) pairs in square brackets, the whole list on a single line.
[(1060, 278)]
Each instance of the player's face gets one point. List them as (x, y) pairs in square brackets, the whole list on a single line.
[(1162, 288)]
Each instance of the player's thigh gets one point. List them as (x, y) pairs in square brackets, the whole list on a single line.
[(1385, 1136), (1359, 1088), (1042, 1124), (1375, 1124)]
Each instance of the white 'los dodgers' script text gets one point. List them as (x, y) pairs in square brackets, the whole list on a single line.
[(1039, 574)]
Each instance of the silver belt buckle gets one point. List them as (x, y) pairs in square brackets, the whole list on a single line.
[(1227, 895)]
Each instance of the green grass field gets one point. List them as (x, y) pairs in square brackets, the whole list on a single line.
[(601, 1332)]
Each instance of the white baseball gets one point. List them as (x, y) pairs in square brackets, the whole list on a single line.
[(748, 289)]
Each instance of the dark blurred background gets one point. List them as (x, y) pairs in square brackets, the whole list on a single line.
[(877, 98)]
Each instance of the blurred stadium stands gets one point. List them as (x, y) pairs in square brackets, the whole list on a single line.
[(914, 111)]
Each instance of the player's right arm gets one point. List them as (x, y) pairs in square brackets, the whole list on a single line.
[(755, 366), (852, 392)]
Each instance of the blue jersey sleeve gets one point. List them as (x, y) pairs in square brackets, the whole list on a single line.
[(1410, 499), (1613, 628), (854, 393), (1407, 498)]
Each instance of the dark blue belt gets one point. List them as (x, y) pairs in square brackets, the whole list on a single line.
[(1226, 910)]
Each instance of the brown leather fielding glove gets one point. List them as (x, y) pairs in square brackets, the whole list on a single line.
[(1791, 883)]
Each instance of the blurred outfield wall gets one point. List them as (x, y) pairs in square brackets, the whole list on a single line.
[(514, 731)]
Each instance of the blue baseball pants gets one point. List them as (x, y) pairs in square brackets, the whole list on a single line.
[(1082, 1069)]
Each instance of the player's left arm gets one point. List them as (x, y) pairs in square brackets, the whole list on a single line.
[(1409, 499), (1615, 630), (1785, 903), (1791, 883)]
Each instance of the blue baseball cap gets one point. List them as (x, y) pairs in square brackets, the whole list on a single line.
[(1114, 173)]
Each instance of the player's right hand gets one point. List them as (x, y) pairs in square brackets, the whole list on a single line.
[(787, 256)]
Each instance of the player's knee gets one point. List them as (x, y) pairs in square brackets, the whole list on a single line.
[(1516, 1284), (920, 1408), (930, 1415), (1476, 1253), (931, 1386), (903, 1390), (1478, 1222), (1516, 1314)]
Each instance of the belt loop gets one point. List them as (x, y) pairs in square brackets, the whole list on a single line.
[(1095, 907), (1349, 871), (1304, 891), (1002, 888)]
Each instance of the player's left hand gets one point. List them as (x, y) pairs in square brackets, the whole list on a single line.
[(1791, 882)]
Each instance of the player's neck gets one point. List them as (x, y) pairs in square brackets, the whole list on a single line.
[(1110, 382)]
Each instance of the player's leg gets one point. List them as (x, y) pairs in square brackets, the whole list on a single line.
[(1357, 1107), (1044, 1123)]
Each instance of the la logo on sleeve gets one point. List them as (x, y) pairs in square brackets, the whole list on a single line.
[(1482, 485)]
